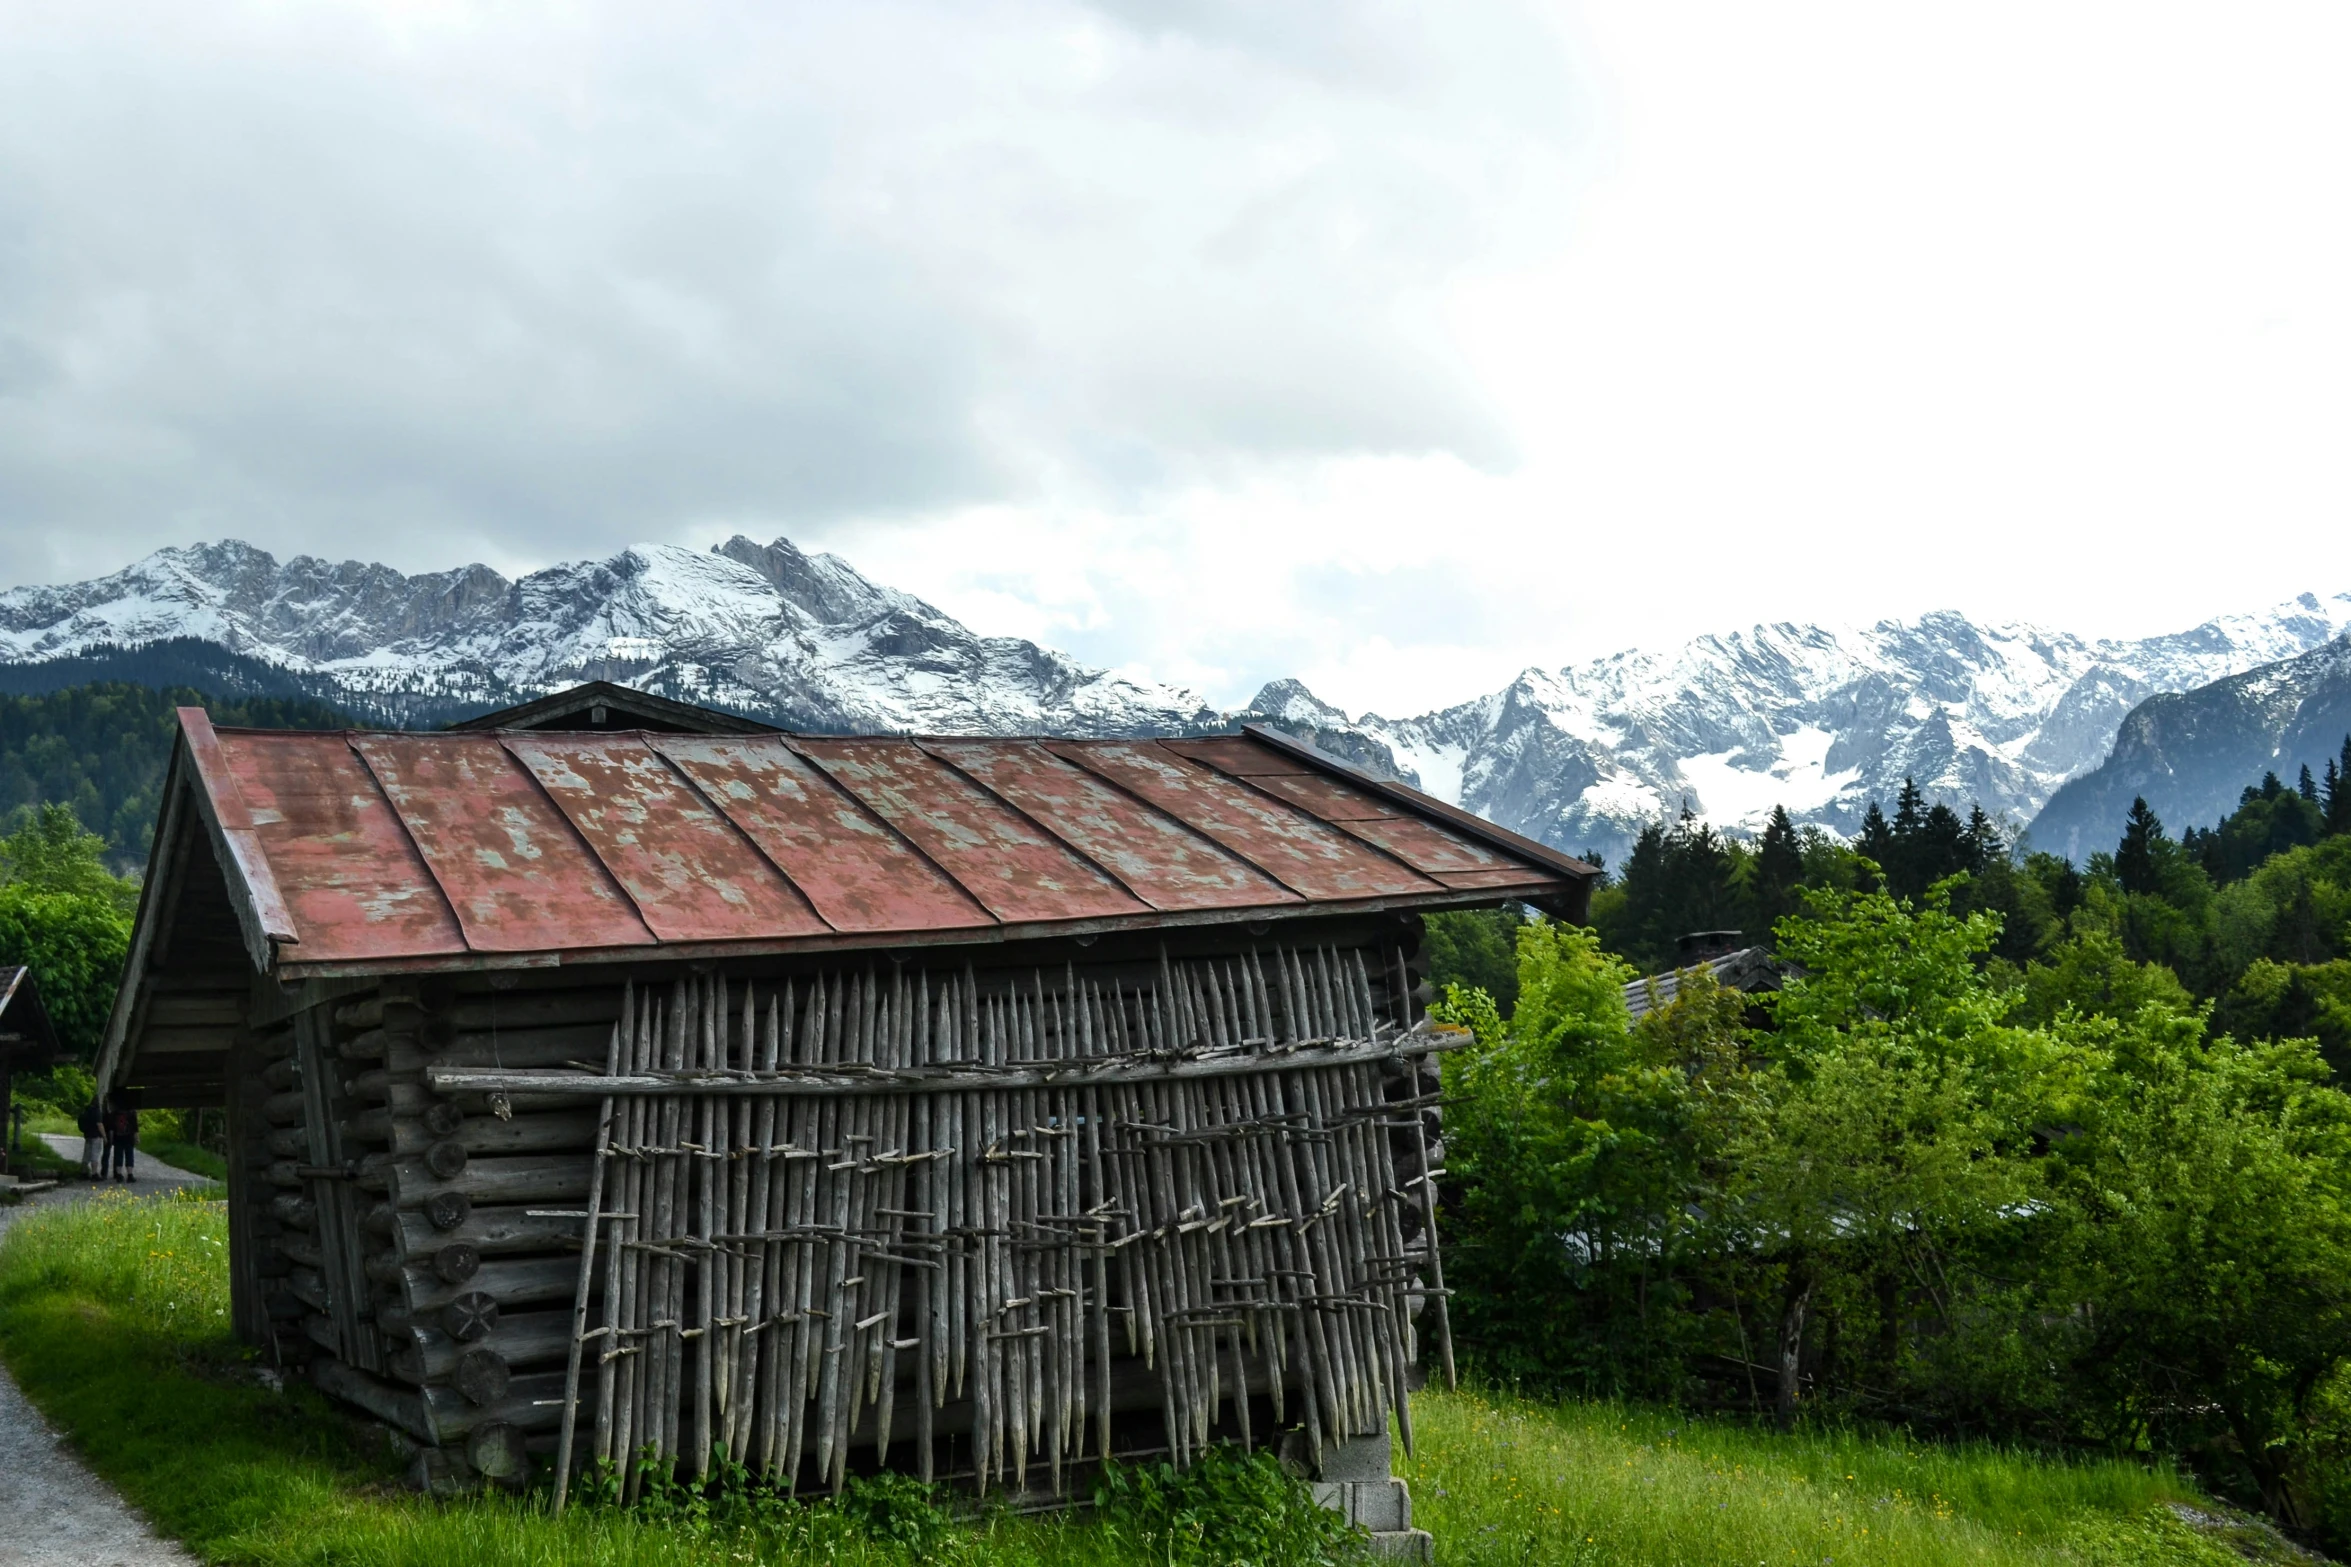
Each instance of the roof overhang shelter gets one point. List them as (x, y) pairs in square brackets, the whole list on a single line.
[(1046, 1038), (27, 1042)]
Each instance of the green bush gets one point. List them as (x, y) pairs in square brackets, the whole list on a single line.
[(2050, 1206), (1229, 1509)]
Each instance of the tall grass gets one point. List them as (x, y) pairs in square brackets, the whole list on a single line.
[(1502, 1479), (114, 1318)]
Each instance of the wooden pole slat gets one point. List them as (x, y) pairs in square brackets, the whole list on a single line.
[(826, 1211)]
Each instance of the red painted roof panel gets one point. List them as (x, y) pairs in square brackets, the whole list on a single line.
[(1011, 866), (351, 878), (1156, 856), (858, 872), (1295, 848), (1237, 755), (1327, 798), (1426, 847), (692, 876), (518, 875)]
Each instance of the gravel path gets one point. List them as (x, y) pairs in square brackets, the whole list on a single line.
[(54, 1512)]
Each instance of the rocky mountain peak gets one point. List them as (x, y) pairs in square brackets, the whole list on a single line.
[(1819, 719), (798, 638)]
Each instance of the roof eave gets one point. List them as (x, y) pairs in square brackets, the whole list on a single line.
[(1534, 890), (253, 886), (1428, 805)]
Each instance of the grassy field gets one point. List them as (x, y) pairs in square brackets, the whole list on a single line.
[(113, 1317), (188, 1157)]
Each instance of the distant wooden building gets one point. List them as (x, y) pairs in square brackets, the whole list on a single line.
[(1752, 970), (974, 1107)]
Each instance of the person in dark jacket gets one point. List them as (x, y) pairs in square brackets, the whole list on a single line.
[(122, 1130), (93, 1129)]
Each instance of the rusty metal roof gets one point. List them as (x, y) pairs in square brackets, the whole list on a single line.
[(351, 853)]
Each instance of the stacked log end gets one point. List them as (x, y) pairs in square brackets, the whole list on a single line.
[(448, 1312)]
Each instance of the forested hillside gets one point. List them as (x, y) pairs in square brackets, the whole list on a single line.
[(2022, 1151), (101, 749)]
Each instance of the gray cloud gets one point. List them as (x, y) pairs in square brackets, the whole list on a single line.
[(418, 284)]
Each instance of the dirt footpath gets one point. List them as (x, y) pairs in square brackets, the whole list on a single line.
[(54, 1512)]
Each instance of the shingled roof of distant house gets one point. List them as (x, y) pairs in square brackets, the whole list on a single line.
[(1749, 969), (353, 853)]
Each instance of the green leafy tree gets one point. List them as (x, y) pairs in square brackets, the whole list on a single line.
[(47, 851), (1475, 949), (1894, 1114), (2209, 1187), (65, 917), (2091, 976), (1577, 1150)]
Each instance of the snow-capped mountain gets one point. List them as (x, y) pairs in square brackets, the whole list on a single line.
[(1821, 720), (1817, 719), (799, 639)]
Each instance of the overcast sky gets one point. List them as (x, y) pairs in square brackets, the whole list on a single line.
[(1394, 346)]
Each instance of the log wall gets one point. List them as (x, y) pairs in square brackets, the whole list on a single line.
[(992, 1285)]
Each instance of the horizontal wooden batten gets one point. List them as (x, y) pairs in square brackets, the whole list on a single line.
[(200, 1039), (523, 1047), (1143, 1067), (198, 1009)]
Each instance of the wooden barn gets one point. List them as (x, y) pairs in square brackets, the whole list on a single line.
[(974, 1107)]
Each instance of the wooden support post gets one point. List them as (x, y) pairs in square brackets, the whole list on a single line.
[(579, 1309)]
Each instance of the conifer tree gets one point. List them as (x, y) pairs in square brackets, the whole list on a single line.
[(2307, 786), (1876, 840), (2337, 805), (1983, 844), (1910, 808), (1779, 871), (2137, 861), (1938, 849), (1907, 847)]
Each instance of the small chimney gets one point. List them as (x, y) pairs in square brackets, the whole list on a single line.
[(1700, 945)]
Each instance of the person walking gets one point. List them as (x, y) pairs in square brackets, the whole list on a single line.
[(93, 1128), (122, 1130)]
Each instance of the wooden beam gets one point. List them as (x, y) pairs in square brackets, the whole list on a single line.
[(1140, 1068)]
